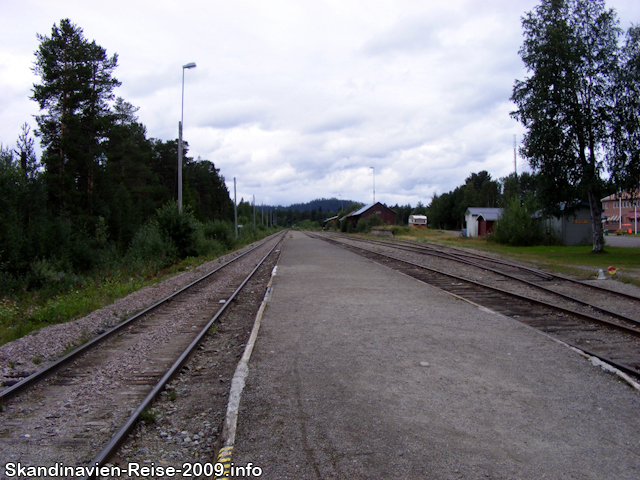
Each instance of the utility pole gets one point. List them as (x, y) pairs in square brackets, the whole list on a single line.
[(235, 207), (254, 210), (515, 156), (374, 184)]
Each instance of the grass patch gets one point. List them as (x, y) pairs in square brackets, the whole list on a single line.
[(34, 311), (148, 416)]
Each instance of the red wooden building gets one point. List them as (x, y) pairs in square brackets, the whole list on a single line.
[(383, 212)]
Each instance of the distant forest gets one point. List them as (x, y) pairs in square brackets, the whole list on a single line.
[(323, 205), (444, 211)]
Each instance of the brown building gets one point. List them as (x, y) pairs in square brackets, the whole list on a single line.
[(621, 211), (383, 212)]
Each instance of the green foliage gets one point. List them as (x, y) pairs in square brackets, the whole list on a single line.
[(90, 201), (307, 225), (446, 211), (180, 229), (149, 246), (149, 416), (206, 192), (480, 191), (400, 230), (75, 90), (172, 236), (248, 233), (579, 104), (366, 224), (517, 227), (624, 141), (222, 232)]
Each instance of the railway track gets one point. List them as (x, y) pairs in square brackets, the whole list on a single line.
[(79, 411), (611, 336), (591, 296), (556, 282)]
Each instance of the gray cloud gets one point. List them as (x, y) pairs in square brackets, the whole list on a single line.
[(298, 100)]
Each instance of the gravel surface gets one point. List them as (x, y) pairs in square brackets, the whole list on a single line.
[(189, 415), (48, 344), (70, 417)]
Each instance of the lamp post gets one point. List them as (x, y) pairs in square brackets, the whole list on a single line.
[(184, 67), (374, 183)]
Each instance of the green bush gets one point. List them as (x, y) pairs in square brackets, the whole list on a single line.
[(181, 229), (517, 227), (248, 233), (221, 231), (366, 224), (206, 244), (150, 246), (307, 225), (400, 230)]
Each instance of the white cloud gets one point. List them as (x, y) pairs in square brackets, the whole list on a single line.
[(298, 99)]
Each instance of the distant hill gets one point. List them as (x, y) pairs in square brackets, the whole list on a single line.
[(326, 204)]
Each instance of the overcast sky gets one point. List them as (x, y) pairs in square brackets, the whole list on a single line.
[(299, 99)]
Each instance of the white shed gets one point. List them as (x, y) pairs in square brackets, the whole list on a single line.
[(473, 213)]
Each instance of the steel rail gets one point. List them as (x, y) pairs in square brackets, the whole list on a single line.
[(625, 368), (584, 316), (565, 296), (121, 435), (535, 271), (43, 373)]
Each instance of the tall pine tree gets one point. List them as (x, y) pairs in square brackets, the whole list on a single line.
[(75, 90)]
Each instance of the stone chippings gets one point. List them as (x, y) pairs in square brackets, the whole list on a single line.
[(73, 425), (188, 416), (48, 344)]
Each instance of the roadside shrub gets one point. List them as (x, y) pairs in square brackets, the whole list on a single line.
[(206, 244), (52, 276), (149, 246), (181, 229), (222, 232), (366, 224), (517, 227), (307, 225), (248, 233), (346, 226), (400, 230)]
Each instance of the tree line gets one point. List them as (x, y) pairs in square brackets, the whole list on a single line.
[(101, 189), (446, 211)]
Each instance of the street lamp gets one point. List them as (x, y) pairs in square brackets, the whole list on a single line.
[(188, 65), (374, 183)]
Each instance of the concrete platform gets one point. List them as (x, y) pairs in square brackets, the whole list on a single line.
[(360, 372)]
